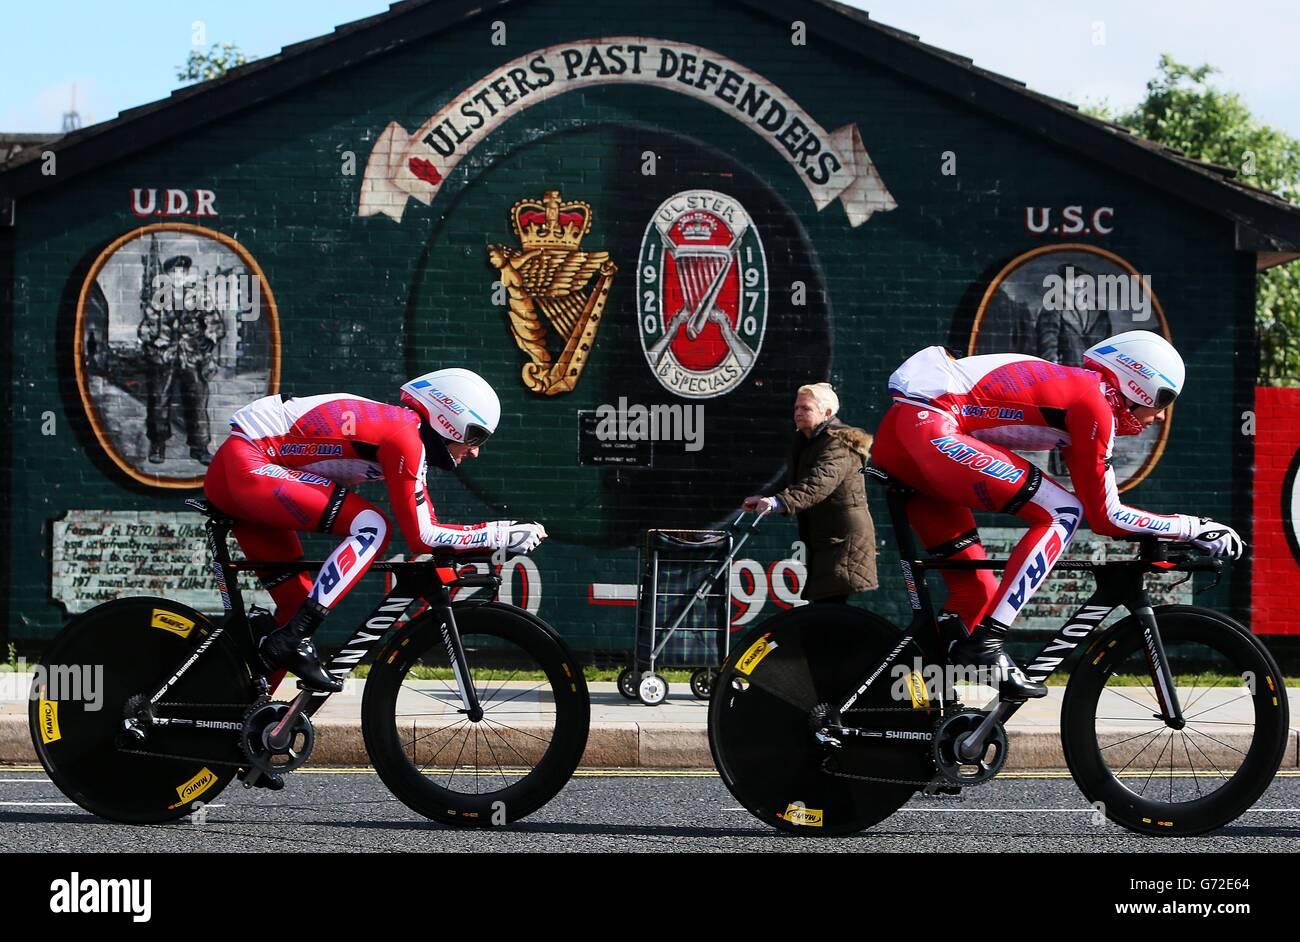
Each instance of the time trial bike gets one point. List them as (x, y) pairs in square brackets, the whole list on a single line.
[(474, 712), (827, 718)]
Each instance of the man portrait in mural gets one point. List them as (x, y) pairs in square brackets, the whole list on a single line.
[(1065, 330), (1056, 303), (176, 327), (179, 335)]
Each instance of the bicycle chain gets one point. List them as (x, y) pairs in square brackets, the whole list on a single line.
[(168, 755), (872, 778), (958, 707), (204, 760)]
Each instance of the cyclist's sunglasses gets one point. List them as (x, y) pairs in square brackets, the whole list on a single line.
[(1164, 397), (476, 435)]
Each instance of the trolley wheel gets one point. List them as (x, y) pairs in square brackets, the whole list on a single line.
[(653, 690), (627, 683), (702, 682)]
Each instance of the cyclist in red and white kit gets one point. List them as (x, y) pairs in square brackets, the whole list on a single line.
[(287, 466), (948, 435)]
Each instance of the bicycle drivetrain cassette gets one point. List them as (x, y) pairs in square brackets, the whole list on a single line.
[(974, 771), (256, 738)]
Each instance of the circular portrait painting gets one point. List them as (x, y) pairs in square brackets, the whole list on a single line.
[(1057, 301), (176, 329)]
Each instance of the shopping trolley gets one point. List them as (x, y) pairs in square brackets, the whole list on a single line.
[(683, 608)]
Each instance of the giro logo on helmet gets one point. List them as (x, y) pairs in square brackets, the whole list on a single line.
[(1138, 391)]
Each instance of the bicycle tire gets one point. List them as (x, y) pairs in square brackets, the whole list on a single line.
[(136, 643), (761, 738), (1120, 646), (419, 791)]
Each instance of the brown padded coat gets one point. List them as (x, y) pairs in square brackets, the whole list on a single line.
[(827, 492)]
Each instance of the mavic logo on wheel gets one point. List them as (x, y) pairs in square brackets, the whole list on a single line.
[(49, 714), (757, 651), (170, 621), (196, 786), (796, 813)]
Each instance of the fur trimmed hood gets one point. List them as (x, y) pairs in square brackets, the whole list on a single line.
[(856, 439)]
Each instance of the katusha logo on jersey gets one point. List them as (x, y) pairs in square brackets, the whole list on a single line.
[(701, 294)]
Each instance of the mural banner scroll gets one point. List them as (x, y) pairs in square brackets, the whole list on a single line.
[(833, 165)]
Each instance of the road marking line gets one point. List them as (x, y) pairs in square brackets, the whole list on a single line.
[(44, 804), (1042, 810)]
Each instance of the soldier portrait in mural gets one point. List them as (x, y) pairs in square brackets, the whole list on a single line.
[(176, 329), (1056, 302)]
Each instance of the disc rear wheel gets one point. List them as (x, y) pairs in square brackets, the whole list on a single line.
[(765, 706), (102, 667)]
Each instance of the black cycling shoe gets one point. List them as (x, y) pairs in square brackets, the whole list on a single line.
[(983, 649), (291, 648)]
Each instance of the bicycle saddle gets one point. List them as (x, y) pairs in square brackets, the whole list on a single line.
[(884, 478), (200, 505)]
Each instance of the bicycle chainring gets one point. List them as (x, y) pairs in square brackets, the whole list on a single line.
[(254, 739), (960, 771)]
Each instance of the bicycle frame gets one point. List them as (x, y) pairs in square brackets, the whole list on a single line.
[(429, 580), (1119, 584)]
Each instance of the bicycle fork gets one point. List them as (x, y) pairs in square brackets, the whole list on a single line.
[(459, 667), (1154, 649)]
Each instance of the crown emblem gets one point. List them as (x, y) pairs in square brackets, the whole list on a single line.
[(698, 227), (550, 223), (555, 291)]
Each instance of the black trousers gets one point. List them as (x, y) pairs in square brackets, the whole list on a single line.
[(160, 379)]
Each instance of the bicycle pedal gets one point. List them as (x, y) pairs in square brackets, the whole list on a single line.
[(268, 780)]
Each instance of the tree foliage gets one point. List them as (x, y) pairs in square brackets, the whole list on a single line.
[(1183, 110), (212, 63)]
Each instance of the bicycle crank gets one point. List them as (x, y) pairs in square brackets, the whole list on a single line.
[(271, 749), (963, 762)]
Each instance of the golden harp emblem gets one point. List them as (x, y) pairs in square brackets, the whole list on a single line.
[(550, 280)]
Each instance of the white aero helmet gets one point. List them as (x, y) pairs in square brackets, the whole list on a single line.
[(1141, 364), (458, 404)]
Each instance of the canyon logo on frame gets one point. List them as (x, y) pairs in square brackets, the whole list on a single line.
[(702, 300), (832, 165)]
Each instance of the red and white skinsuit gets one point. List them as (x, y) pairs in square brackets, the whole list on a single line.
[(285, 468), (945, 436)]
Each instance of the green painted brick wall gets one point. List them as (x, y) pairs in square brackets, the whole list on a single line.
[(366, 302)]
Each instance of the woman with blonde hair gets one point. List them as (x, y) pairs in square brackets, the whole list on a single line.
[(826, 491)]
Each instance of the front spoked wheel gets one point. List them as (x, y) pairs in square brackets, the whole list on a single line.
[(1157, 778), (477, 770)]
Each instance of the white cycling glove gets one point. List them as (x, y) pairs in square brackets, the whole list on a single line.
[(1219, 539), (514, 536)]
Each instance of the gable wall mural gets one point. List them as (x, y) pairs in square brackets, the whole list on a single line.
[(670, 226)]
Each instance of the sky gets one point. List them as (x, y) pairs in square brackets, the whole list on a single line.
[(122, 54)]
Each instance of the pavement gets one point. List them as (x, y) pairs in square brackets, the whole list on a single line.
[(674, 735)]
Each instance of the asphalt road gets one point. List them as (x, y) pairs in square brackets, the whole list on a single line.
[(344, 810)]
